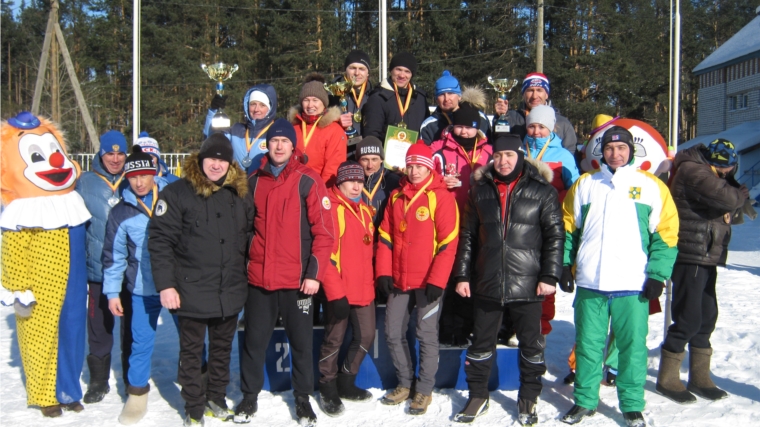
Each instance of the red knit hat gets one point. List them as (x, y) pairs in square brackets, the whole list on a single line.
[(420, 154)]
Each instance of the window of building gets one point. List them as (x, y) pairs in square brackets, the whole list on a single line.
[(738, 102)]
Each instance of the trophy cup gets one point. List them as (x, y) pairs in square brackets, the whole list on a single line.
[(340, 89), (451, 170), (502, 86), (220, 72)]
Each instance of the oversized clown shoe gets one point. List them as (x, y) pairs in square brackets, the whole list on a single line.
[(44, 274), (650, 149)]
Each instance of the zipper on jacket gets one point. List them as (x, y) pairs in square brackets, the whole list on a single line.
[(504, 234)]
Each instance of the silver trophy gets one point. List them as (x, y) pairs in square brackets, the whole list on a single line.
[(502, 86)]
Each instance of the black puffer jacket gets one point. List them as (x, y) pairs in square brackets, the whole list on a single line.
[(508, 269), (382, 110), (198, 238), (705, 204)]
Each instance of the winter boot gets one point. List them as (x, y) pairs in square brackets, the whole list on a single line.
[(51, 411), (420, 404), (570, 378), (700, 382), (634, 419), (217, 408), (526, 412), (137, 405), (306, 415), (576, 414), (328, 395), (348, 390), (668, 382), (611, 378), (475, 407), (192, 422), (100, 371), (396, 396), (245, 410), (73, 407)]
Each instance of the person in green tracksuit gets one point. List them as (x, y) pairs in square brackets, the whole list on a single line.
[(621, 230)]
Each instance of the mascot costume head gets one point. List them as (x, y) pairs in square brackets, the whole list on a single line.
[(650, 148)]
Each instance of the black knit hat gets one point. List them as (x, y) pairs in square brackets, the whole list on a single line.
[(349, 171), (139, 163), (404, 59), (509, 142), (357, 57), (618, 134), (216, 146), (370, 145), (466, 115)]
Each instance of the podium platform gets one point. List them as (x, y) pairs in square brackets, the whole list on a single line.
[(377, 369)]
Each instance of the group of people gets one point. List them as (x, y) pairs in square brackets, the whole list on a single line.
[(271, 218)]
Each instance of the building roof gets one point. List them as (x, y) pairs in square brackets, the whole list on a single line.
[(742, 46), (744, 137)]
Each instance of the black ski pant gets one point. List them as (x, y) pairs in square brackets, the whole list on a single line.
[(456, 315), (362, 337), (192, 334), (526, 318), (261, 311), (100, 323), (694, 307)]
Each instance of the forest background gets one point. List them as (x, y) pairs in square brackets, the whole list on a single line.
[(602, 56)]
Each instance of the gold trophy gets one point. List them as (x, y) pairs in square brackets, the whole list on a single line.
[(340, 89), (220, 72), (502, 86)]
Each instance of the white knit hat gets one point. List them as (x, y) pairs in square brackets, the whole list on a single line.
[(543, 115)]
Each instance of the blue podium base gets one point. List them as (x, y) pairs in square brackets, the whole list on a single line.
[(377, 370)]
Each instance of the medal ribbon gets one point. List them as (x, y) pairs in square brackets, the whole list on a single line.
[(362, 209), (249, 144), (409, 203), (540, 153), (307, 138), (371, 195), (447, 117), (115, 185), (472, 159), (403, 109), (361, 96), (152, 203)]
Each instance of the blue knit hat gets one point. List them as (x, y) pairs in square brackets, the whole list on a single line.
[(282, 127), (721, 153), (447, 84), (113, 141)]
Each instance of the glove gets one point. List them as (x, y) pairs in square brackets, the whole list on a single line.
[(652, 289), (567, 282), (433, 292), (340, 308), (21, 310), (745, 192), (217, 102), (385, 285)]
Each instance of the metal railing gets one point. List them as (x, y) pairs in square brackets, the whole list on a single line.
[(751, 176), (172, 160)]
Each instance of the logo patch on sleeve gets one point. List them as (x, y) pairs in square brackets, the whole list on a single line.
[(634, 193), (161, 207), (326, 203)]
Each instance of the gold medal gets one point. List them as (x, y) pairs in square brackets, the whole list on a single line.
[(367, 240), (373, 210), (358, 117), (402, 225), (401, 124)]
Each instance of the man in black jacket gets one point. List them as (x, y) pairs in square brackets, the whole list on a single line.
[(198, 238), (707, 197), (396, 101), (509, 255)]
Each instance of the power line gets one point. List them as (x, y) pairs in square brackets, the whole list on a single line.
[(330, 11)]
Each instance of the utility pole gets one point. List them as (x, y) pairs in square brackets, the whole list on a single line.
[(136, 70), (540, 38), (55, 84)]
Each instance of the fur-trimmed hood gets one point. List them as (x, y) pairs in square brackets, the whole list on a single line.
[(236, 178), (542, 169), (331, 115), (475, 96)]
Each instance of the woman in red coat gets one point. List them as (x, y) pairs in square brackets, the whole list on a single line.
[(417, 244), (350, 289)]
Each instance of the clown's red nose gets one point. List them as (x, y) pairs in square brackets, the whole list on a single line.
[(56, 160)]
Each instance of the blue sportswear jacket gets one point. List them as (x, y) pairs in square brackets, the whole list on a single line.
[(96, 193), (236, 133), (125, 252), (555, 152)]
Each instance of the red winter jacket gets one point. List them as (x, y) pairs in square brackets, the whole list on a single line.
[(292, 225), (327, 145), (423, 253), (447, 151), (350, 274)]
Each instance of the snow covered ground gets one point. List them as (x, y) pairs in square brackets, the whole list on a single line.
[(736, 368)]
